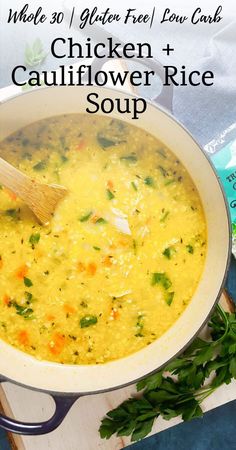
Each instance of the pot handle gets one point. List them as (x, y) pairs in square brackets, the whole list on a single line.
[(62, 404), (165, 97)]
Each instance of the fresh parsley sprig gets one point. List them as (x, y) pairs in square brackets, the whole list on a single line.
[(180, 388), (35, 54)]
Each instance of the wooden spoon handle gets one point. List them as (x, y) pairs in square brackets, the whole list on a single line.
[(13, 179)]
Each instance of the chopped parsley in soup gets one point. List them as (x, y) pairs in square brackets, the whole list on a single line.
[(123, 254)]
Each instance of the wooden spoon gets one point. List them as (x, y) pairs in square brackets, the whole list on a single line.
[(42, 199)]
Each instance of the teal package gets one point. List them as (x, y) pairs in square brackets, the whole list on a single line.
[(225, 164)]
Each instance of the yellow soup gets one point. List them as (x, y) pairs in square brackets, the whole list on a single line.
[(122, 255)]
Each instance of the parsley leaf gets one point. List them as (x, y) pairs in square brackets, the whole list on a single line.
[(149, 181), (86, 216), (34, 239), (87, 321), (28, 282), (179, 388), (35, 54), (110, 194), (162, 279)]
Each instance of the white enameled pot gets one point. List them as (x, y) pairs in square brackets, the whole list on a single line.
[(21, 368)]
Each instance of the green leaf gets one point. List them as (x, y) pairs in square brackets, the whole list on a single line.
[(214, 365), (222, 376), (101, 221), (127, 429), (28, 282), (232, 349), (41, 165), (86, 217), (150, 383), (169, 252), (164, 216), (192, 410), (142, 429), (110, 195), (232, 367), (198, 343), (168, 413), (175, 364), (35, 54), (162, 153), (204, 355), (190, 249), (105, 142), (149, 181), (162, 279), (169, 297), (156, 397), (107, 428), (12, 213), (87, 321), (134, 186), (23, 310), (34, 239), (129, 158), (163, 171)]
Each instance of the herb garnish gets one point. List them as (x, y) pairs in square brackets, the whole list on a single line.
[(190, 249), (41, 165), (129, 158), (149, 181), (14, 213), (101, 221), (105, 142), (164, 216), (139, 326), (23, 311), (162, 153), (27, 282), (35, 54), (168, 252), (169, 297), (182, 395), (34, 239), (134, 186), (86, 217), (162, 279), (87, 321), (110, 194)]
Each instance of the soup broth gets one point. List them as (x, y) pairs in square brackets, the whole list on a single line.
[(123, 254)]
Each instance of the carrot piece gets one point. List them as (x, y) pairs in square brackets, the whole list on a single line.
[(81, 267), (91, 268), (110, 185), (22, 272), (23, 337), (80, 146), (124, 242), (57, 343), (69, 309), (107, 261), (50, 317), (95, 218), (11, 194), (114, 313), (6, 300), (112, 247)]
